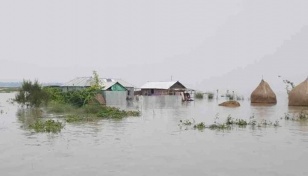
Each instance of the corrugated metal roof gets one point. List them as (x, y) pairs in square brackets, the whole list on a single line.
[(79, 82), (107, 85), (122, 82), (158, 85), (88, 81)]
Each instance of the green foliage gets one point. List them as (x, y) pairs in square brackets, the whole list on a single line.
[(200, 126), (74, 118), (89, 112), (115, 113), (219, 126), (49, 126), (55, 107), (210, 96), (78, 98), (229, 124), (240, 122), (82, 97), (199, 95), (54, 94), (31, 94), (97, 82)]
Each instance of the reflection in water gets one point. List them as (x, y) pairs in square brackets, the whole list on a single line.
[(154, 144)]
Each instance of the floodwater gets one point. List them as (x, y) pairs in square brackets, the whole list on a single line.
[(155, 144)]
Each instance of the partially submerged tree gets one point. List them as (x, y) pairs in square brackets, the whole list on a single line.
[(31, 94), (96, 87)]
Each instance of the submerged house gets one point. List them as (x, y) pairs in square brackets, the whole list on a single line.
[(298, 96), (129, 87), (113, 92), (163, 88), (263, 94)]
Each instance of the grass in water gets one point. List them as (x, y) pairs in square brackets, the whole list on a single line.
[(49, 126), (230, 122), (89, 112)]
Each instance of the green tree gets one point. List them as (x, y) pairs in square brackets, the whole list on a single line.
[(31, 94), (95, 88)]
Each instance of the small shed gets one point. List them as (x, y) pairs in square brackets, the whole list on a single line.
[(163, 88), (129, 87), (298, 96), (114, 93), (263, 94)]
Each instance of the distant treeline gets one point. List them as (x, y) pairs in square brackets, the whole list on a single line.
[(10, 84), (18, 84)]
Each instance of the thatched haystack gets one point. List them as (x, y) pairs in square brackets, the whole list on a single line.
[(263, 94), (299, 95), (230, 104)]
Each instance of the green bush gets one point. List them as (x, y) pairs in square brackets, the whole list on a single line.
[(199, 95), (31, 94)]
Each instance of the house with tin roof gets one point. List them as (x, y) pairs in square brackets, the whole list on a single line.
[(113, 91), (129, 87), (163, 88)]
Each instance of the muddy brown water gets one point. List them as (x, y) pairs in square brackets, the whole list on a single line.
[(155, 144)]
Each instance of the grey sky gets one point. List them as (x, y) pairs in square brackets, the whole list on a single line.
[(142, 40)]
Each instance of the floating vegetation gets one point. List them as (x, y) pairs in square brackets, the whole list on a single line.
[(92, 113), (115, 113), (219, 126), (186, 122), (200, 126), (303, 115), (210, 95), (199, 95), (49, 126), (229, 124), (77, 118)]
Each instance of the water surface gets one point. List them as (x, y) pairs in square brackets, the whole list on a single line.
[(154, 144)]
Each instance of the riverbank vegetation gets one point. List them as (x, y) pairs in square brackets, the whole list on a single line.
[(70, 106)]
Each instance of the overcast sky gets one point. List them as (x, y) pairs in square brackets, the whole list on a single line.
[(144, 40)]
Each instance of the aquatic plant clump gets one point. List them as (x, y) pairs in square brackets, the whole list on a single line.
[(303, 115), (230, 122), (77, 118), (200, 126), (210, 96), (92, 113), (49, 126), (199, 95), (115, 113)]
